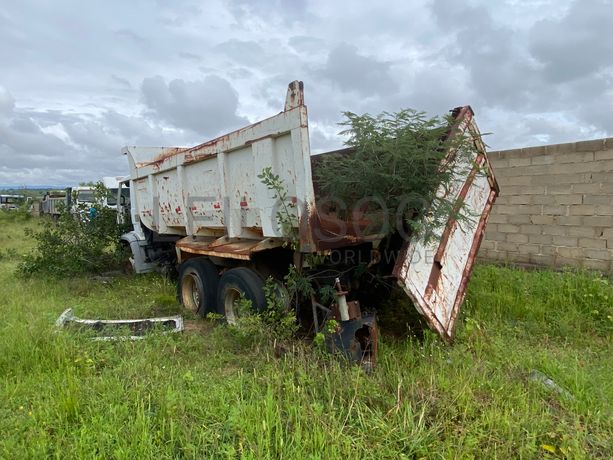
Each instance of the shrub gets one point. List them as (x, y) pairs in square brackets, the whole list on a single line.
[(397, 165), (85, 239)]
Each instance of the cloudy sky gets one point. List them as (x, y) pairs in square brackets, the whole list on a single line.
[(80, 79)]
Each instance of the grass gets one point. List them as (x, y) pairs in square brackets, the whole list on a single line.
[(213, 392)]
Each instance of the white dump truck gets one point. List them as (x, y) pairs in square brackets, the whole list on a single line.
[(204, 210)]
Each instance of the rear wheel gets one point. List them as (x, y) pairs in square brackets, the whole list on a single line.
[(237, 288), (197, 286)]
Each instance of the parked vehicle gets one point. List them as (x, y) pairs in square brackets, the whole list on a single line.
[(115, 196), (55, 201), (205, 210), (12, 201)]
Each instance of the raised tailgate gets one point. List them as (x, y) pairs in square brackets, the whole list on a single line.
[(435, 274)]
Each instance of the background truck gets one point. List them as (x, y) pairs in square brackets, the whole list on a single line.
[(13, 201), (205, 210), (55, 201)]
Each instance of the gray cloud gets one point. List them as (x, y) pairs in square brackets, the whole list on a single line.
[(576, 45), (205, 106), (78, 78), (349, 70)]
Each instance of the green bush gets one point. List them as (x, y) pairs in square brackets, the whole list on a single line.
[(397, 166), (85, 239)]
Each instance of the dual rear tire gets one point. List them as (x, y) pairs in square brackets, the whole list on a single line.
[(201, 290)]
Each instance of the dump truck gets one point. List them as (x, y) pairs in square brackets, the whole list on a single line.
[(207, 211), (55, 201)]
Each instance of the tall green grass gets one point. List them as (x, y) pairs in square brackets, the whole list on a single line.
[(212, 392)]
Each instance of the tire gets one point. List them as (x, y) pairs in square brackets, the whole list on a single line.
[(197, 286), (234, 283)]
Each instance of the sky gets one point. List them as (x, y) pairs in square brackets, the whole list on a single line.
[(79, 80)]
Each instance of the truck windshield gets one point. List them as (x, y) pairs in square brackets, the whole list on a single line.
[(111, 197), (85, 196)]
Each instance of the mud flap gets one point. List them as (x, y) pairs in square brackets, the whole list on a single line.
[(356, 340)]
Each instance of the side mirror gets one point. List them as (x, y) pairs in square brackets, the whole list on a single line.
[(122, 200)]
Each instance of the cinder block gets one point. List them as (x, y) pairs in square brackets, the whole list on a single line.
[(604, 210), (496, 218), (509, 247), (584, 232), (580, 167), (497, 162), (514, 162), (504, 209), (569, 220), (574, 157), (595, 264), (517, 238), (554, 230), (503, 200), (511, 153), (542, 220), (523, 199), (601, 177), (540, 239), (541, 259), (593, 243), (571, 253), (555, 210), (600, 254), (566, 241), (508, 228), (519, 219), (605, 154), (542, 199), (530, 229), (487, 244), (602, 166), (497, 255), (534, 151), (516, 180), (561, 261), (526, 190), (529, 249), (607, 232), (569, 199), (582, 210), (591, 188), (560, 148), (598, 221), (495, 236), (542, 160), (528, 209), (554, 189), (586, 146), (518, 258), (598, 199), (561, 179)]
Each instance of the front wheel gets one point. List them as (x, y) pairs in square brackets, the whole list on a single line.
[(197, 286), (239, 287)]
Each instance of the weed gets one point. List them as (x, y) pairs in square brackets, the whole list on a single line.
[(208, 395)]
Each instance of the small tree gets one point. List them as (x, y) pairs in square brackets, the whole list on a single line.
[(85, 239), (398, 159)]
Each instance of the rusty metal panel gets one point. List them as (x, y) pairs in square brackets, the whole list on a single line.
[(213, 187), (435, 274)]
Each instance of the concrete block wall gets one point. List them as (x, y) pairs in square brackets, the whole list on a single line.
[(555, 206)]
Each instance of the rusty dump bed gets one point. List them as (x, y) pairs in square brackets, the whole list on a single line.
[(211, 199)]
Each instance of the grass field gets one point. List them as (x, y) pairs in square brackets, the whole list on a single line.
[(213, 392)]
